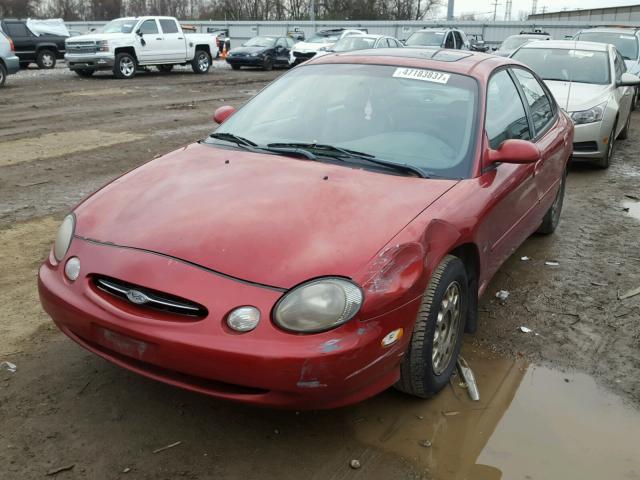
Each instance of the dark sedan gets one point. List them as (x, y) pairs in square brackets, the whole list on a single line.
[(264, 51)]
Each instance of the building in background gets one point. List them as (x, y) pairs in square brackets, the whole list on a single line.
[(608, 15)]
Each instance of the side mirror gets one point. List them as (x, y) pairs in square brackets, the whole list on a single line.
[(513, 151), (222, 113), (92, 29), (628, 80), (139, 33), (493, 49)]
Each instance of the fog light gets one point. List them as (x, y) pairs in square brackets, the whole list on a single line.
[(72, 268), (392, 337), (243, 319)]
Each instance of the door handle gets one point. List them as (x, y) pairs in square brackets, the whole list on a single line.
[(180, 38)]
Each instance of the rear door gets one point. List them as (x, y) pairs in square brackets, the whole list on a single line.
[(175, 47), (23, 40), (150, 46)]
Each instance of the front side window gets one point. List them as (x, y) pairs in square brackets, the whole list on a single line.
[(540, 105), (168, 26), (429, 122), (505, 118), (583, 66), (149, 27)]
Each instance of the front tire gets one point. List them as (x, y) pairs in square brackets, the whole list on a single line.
[(437, 334), (605, 161), (201, 62), (3, 74), (46, 59), (552, 217), (267, 64), (125, 66), (624, 133)]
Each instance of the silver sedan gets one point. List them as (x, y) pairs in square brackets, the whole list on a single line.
[(589, 81)]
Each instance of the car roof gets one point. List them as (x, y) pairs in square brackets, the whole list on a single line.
[(369, 35), (454, 61), (569, 45), (435, 29), (627, 30)]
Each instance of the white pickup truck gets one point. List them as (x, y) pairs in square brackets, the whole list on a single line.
[(124, 44)]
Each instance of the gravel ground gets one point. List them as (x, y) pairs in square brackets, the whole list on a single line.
[(64, 136)]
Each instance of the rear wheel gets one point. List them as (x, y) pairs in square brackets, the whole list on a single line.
[(201, 62), (3, 74), (164, 68), (437, 334), (552, 217), (125, 66), (46, 59), (85, 72)]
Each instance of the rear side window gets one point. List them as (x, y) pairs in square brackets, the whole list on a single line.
[(168, 26), (541, 106), (17, 30), (505, 117), (149, 27)]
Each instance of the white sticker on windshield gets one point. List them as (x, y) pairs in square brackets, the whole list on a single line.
[(420, 74)]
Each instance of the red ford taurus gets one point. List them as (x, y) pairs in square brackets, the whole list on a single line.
[(330, 239)]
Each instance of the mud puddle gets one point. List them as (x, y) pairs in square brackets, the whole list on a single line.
[(530, 422)]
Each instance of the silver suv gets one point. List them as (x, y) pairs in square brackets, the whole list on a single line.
[(9, 63), (625, 39), (439, 37)]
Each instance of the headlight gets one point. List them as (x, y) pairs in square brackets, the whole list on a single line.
[(63, 237), (318, 305), (594, 114), (256, 54)]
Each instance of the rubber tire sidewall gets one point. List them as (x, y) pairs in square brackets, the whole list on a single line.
[(605, 161), (549, 224), (417, 376), (39, 59), (267, 64), (624, 133), (116, 68), (194, 63), (3, 74)]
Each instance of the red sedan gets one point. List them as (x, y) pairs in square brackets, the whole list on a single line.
[(330, 239)]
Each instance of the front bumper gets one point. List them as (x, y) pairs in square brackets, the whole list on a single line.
[(266, 366), (588, 140), (246, 61), (96, 61), (12, 63)]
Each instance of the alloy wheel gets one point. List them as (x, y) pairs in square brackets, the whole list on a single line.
[(203, 62), (127, 67), (47, 60), (445, 334)]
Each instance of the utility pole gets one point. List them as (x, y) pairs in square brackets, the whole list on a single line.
[(312, 10), (450, 6), (495, 9), (507, 10), (534, 7)]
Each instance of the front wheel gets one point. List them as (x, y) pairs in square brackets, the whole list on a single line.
[(3, 74), (624, 133), (125, 66), (605, 161), (437, 334), (46, 59), (267, 64), (552, 217), (201, 62)]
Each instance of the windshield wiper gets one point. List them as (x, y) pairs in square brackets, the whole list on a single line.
[(340, 153), (230, 137)]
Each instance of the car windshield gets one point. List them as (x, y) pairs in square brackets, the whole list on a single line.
[(323, 38), (260, 42), (583, 66), (626, 44), (425, 39), (429, 123), (354, 43), (514, 42), (119, 26)]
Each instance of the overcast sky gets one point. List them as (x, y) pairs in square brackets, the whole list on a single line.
[(486, 6)]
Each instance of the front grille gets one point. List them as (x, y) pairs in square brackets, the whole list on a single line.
[(585, 147), (147, 298), (81, 47)]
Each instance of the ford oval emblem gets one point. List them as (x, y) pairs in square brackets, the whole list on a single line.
[(137, 297)]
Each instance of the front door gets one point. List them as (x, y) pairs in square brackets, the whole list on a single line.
[(624, 95), (150, 46), (282, 51)]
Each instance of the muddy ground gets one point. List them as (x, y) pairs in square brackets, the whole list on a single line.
[(560, 402)]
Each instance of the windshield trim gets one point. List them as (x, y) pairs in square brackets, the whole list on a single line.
[(471, 157)]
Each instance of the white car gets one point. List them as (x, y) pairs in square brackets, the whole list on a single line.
[(319, 41), (589, 81), (361, 42), (124, 44)]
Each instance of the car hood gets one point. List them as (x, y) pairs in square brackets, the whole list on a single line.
[(248, 50), (263, 218), (580, 96), (310, 47), (96, 37)]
